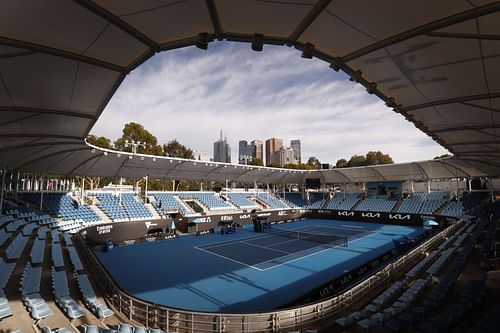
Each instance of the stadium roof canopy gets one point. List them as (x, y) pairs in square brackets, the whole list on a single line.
[(437, 63)]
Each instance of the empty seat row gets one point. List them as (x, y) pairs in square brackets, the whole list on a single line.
[(90, 299), (57, 257), (63, 297), (75, 259), (5, 310), (6, 270), (30, 292), (37, 251), (16, 247)]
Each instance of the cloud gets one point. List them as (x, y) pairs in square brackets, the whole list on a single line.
[(190, 95)]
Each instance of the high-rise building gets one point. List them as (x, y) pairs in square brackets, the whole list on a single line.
[(245, 152), (283, 156), (257, 149), (295, 145), (272, 145), (222, 151)]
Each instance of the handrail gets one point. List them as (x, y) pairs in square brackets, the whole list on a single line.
[(154, 315)]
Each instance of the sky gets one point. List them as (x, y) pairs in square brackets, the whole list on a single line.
[(191, 94)]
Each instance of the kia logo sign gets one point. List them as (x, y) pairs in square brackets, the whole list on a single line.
[(371, 215), (346, 213), (399, 217)]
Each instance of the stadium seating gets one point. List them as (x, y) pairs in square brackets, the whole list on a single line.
[(295, 199), (122, 207), (423, 203), (63, 297), (454, 208), (90, 299), (271, 201), (209, 199), (167, 202), (376, 205), (344, 200), (243, 200), (64, 206)]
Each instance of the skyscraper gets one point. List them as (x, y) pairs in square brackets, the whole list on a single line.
[(257, 149), (295, 145), (272, 146), (283, 156), (222, 151), (245, 152)]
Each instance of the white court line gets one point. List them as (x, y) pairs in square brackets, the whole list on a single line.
[(227, 258), (352, 226), (308, 255), (212, 245), (302, 257), (261, 247)]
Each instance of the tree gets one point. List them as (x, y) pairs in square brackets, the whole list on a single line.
[(342, 163), (175, 149), (356, 161), (100, 141), (377, 158), (256, 161), (137, 133), (314, 163)]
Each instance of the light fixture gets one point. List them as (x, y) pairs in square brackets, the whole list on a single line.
[(202, 41), (257, 42), (307, 52), (372, 87), (336, 63), (356, 76)]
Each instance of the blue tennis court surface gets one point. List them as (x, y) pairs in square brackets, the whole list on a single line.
[(266, 251), (245, 271)]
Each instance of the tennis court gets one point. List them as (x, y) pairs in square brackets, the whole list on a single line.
[(269, 249), (245, 271)]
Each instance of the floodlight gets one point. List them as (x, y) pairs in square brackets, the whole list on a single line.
[(307, 52), (202, 41), (257, 42)]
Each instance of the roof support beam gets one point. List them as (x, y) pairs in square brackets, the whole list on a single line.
[(465, 128), (83, 162), (47, 111), (469, 143), (121, 24), (30, 135), (37, 48), (214, 16), (309, 19), (50, 155), (461, 99), (450, 165), (424, 29), (463, 35), (38, 144)]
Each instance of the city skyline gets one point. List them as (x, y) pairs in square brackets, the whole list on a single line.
[(188, 94)]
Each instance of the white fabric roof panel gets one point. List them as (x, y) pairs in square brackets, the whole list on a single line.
[(436, 63)]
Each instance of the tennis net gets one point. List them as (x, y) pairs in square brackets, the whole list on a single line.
[(322, 238)]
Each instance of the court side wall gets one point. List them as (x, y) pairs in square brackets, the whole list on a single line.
[(414, 220)]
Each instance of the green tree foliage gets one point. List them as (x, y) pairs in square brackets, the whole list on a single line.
[(342, 163), (175, 149), (137, 133), (314, 163), (377, 158), (100, 141), (371, 158), (256, 161), (356, 161)]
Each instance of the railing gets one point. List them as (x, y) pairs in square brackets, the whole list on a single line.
[(169, 319)]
